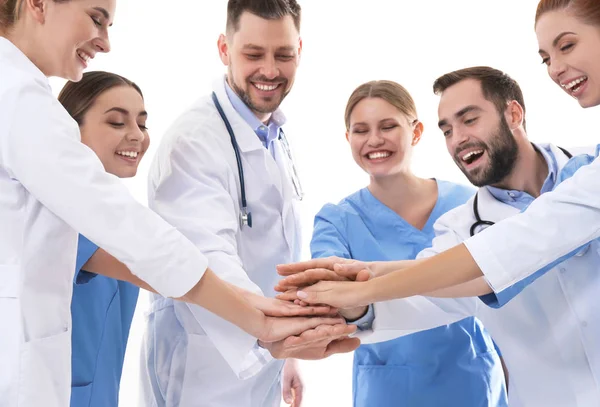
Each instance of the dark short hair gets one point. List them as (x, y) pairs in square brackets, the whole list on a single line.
[(497, 86), (267, 9), (78, 97)]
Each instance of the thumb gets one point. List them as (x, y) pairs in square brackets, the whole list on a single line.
[(364, 275), (308, 296)]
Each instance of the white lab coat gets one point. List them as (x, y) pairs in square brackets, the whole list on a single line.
[(192, 358), (548, 334), (571, 211), (51, 187)]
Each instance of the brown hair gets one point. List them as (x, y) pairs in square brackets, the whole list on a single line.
[(78, 97), (588, 11), (497, 87), (10, 11), (392, 92), (267, 9)]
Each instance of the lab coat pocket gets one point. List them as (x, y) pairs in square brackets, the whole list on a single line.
[(382, 386), (46, 371)]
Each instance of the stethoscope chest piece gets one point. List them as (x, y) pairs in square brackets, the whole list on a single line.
[(245, 218)]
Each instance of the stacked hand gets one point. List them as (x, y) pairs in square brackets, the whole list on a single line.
[(303, 332), (334, 281)]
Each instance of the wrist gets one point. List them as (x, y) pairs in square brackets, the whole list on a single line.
[(353, 314)]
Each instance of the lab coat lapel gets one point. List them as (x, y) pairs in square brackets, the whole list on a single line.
[(492, 209), (256, 159), (290, 218)]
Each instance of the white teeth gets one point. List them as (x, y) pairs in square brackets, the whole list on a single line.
[(130, 154), (471, 154), (571, 84), (379, 154), (83, 56), (265, 87)]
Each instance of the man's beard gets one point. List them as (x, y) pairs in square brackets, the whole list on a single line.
[(502, 155)]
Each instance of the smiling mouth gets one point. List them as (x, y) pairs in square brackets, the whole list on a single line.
[(266, 88), (575, 85), (471, 157), (378, 155)]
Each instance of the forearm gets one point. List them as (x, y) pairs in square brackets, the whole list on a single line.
[(473, 288), (447, 269), (381, 268), (221, 299), (217, 296)]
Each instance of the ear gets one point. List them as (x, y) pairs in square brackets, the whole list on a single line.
[(514, 115), (37, 9), (417, 133), (299, 49), (348, 136), (223, 49)]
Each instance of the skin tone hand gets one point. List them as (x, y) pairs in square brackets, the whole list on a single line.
[(315, 344), (292, 384), (452, 267)]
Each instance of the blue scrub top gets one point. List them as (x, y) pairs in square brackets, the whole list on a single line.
[(102, 310), (454, 365)]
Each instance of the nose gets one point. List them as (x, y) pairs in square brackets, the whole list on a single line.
[(375, 139), (556, 69), (136, 135), (270, 69), (459, 136), (102, 43)]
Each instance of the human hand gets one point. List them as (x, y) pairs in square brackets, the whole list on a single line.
[(314, 344), (274, 307), (340, 294), (292, 384)]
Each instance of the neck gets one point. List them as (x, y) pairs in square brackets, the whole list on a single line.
[(399, 191), (263, 117), (529, 173), (25, 44)]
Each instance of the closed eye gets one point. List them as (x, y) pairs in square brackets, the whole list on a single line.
[(390, 127), (116, 124)]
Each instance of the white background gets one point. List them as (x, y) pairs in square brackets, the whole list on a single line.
[(169, 49)]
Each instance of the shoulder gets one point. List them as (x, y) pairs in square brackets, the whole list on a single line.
[(340, 212)]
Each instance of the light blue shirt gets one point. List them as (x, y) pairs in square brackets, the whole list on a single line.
[(521, 199), (450, 365), (266, 133)]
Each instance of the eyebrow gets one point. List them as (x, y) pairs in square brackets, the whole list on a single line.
[(125, 111), (105, 13), (259, 48), (557, 39), (459, 114)]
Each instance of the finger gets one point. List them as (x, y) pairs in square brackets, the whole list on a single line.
[(344, 345), (320, 333), (364, 275), (298, 392), (286, 391), (293, 310), (293, 268), (308, 277), (289, 295)]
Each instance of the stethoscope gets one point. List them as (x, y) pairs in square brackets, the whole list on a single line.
[(480, 222), (245, 214)]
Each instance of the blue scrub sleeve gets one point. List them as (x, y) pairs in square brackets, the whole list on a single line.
[(85, 250), (497, 348), (497, 300), (328, 238), (365, 323)]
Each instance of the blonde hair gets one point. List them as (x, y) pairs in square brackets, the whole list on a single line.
[(9, 12), (392, 92)]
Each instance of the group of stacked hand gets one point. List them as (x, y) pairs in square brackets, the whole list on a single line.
[(308, 319)]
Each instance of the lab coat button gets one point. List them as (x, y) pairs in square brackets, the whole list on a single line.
[(584, 324), (563, 270)]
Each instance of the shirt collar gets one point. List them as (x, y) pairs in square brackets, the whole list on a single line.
[(504, 195), (266, 133)]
